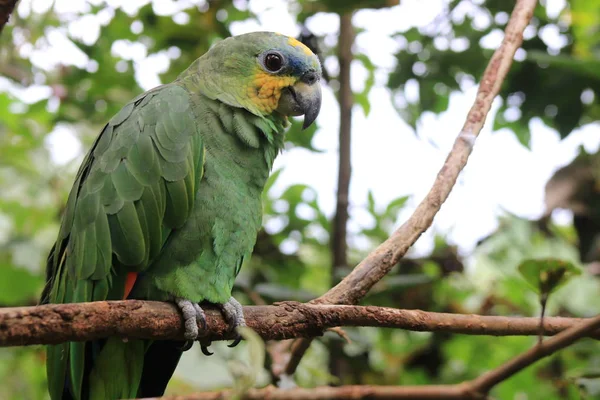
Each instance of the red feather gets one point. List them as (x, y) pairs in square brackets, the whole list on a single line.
[(129, 282)]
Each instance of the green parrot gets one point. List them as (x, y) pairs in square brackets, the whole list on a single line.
[(167, 205)]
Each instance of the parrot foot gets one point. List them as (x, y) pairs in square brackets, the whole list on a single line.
[(192, 316), (234, 314)]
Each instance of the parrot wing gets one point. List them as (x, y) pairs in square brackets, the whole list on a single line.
[(137, 183)]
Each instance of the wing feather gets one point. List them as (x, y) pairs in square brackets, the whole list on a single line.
[(136, 184)]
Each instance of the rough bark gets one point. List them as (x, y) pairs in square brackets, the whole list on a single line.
[(56, 323)]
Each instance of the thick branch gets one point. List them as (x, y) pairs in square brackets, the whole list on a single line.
[(6, 8), (377, 264), (57, 323)]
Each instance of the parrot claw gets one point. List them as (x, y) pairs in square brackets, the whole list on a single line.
[(235, 342), (234, 314), (205, 350), (192, 316), (200, 316), (187, 345)]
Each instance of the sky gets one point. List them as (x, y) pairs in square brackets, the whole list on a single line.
[(389, 158)]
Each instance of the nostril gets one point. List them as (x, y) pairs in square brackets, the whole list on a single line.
[(310, 77)]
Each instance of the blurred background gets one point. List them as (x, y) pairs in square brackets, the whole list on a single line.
[(531, 188)]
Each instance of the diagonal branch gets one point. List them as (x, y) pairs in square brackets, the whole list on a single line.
[(56, 323), (485, 382), (377, 264)]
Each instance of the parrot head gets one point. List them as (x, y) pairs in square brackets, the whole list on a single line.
[(263, 72)]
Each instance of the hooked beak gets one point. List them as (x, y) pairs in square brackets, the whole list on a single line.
[(304, 98)]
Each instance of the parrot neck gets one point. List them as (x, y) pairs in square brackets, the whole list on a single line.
[(202, 76), (271, 126), (264, 134)]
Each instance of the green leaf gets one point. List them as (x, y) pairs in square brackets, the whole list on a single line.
[(371, 202), (395, 206), (362, 98), (586, 68), (547, 275), (18, 285)]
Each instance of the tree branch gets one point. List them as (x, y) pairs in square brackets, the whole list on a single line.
[(475, 389), (353, 392), (485, 382), (6, 8), (377, 264), (339, 242), (345, 100), (57, 323)]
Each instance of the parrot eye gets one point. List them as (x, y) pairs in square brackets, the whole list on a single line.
[(273, 62)]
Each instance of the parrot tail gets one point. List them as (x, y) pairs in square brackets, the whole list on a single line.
[(106, 369)]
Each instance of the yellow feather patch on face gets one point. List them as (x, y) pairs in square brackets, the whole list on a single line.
[(266, 90), (297, 43)]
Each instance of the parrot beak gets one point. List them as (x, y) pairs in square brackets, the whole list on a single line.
[(304, 98)]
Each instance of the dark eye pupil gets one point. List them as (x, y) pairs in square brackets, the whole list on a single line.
[(273, 62)]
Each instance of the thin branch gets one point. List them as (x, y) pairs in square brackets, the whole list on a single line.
[(485, 382), (377, 264), (339, 242), (6, 8), (345, 100), (352, 392), (57, 323), (475, 389)]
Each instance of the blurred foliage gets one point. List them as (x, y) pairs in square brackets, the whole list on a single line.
[(45, 99), (576, 187), (547, 275), (557, 57)]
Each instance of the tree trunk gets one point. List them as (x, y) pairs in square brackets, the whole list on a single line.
[(337, 362)]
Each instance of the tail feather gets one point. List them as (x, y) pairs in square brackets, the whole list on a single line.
[(117, 370), (104, 369), (160, 362)]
